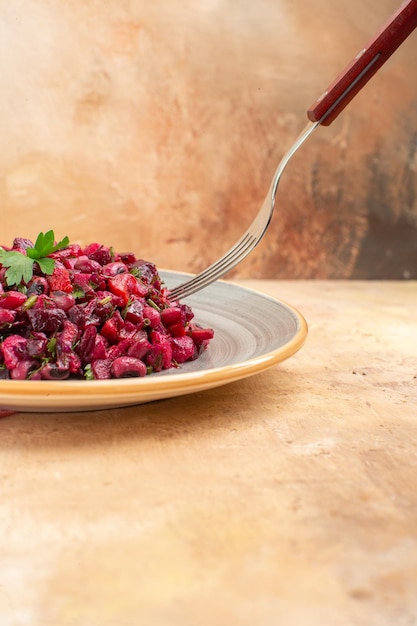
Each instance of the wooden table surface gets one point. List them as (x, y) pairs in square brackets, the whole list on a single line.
[(289, 498)]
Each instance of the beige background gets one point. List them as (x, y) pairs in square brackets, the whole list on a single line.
[(157, 126)]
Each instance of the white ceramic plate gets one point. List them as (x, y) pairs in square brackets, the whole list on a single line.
[(252, 333)]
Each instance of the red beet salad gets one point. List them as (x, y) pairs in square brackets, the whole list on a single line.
[(91, 313)]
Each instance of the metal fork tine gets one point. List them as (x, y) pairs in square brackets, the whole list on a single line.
[(215, 271), (251, 237)]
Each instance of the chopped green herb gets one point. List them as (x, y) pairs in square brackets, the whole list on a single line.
[(29, 303), (77, 292), (153, 304), (51, 346), (105, 300), (136, 272), (88, 372)]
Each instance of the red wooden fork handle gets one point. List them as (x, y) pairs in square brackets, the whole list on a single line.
[(365, 65)]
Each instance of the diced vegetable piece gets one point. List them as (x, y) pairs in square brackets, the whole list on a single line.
[(60, 280), (183, 349), (151, 316), (124, 285), (62, 300), (101, 369), (172, 315), (7, 316), (48, 320), (201, 334), (23, 369), (111, 328), (14, 350)]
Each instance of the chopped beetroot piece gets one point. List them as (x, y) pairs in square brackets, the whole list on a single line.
[(72, 250), (12, 299), (23, 369), (127, 332), (74, 363), (101, 369), (84, 264), (119, 349), (124, 285), (183, 349), (87, 344), (97, 281), (134, 311), (62, 300), (47, 320), (139, 347), (147, 272), (151, 316), (7, 316), (77, 316), (65, 357), (69, 263), (155, 357), (159, 338), (128, 367), (187, 312), (201, 334), (178, 330), (98, 252), (69, 335), (172, 315), (21, 243), (37, 345), (99, 349), (14, 350), (81, 280), (102, 255), (89, 310), (91, 249), (127, 257), (129, 329), (43, 302), (111, 328), (104, 309)]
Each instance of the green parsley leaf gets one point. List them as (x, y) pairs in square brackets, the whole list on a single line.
[(46, 265), (44, 245), (20, 266)]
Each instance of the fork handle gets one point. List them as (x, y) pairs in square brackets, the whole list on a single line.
[(341, 91)]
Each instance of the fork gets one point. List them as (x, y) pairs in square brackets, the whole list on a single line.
[(322, 113)]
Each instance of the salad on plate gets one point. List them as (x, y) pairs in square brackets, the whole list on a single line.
[(88, 312)]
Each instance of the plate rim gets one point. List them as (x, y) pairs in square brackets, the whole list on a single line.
[(132, 388)]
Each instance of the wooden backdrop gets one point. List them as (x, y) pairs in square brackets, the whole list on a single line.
[(157, 126)]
